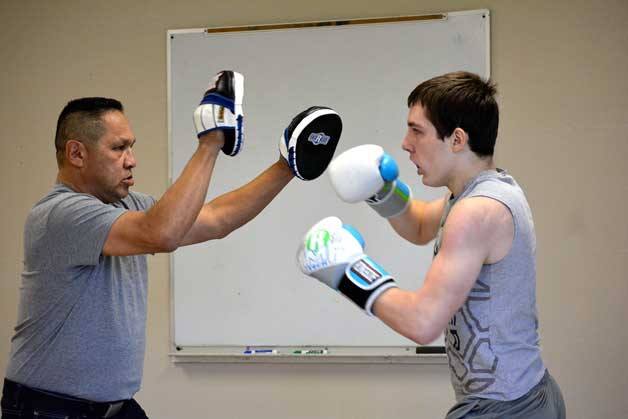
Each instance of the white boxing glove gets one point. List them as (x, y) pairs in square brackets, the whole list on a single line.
[(333, 253), (367, 173)]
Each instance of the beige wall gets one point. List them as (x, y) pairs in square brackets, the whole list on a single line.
[(561, 70)]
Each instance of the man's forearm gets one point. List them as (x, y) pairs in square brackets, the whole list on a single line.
[(174, 214), (232, 210)]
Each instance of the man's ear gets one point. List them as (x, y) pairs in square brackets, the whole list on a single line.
[(75, 153), (459, 139)]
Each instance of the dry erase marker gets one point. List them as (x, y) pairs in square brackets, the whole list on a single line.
[(310, 352), (260, 351)]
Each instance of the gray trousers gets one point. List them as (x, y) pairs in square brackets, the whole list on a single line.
[(543, 401)]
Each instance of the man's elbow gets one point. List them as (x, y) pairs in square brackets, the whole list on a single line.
[(217, 227), (170, 247), (414, 237), (220, 233), (423, 333), (166, 243), (424, 338)]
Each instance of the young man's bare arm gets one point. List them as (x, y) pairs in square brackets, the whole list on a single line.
[(420, 223), (478, 231)]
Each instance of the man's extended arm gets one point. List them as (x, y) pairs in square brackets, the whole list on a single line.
[(231, 210)]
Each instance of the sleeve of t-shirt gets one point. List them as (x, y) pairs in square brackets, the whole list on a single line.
[(138, 201), (77, 229)]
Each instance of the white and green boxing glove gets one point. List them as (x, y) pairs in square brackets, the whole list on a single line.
[(367, 173), (333, 253)]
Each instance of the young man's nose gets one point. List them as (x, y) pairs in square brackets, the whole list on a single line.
[(405, 145)]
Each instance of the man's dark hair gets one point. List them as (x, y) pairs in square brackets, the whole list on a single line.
[(463, 100), (81, 119)]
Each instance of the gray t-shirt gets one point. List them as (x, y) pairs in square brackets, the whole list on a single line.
[(82, 315), (492, 341)]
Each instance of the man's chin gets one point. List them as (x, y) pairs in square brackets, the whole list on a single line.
[(120, 193), (426, 181), (124, 193)]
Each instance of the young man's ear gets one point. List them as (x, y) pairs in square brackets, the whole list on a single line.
[(75, 153), (459, 139)]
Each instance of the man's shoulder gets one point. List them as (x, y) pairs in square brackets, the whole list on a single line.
[(63, 201), (478, 219), (137, 201), (61, 196), (479, 210), (483, 222), (62, 207)]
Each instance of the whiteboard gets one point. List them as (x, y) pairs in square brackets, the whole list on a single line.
[(246, 289)]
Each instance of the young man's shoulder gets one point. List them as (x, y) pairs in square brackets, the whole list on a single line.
[(477, 213), (481, 221)]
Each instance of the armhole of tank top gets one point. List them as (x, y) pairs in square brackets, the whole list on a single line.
[(514, 224)]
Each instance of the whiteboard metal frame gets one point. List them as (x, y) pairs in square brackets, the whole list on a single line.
[(285, 354), (432, 355)]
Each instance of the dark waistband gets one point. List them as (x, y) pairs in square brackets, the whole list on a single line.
[(19, 396)]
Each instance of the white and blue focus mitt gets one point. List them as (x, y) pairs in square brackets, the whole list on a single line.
[(309, 142), (221, 108)]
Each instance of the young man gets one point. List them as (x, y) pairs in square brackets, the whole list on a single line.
[(78, 348), (480, 287)]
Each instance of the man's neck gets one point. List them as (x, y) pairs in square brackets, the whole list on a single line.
[(74, 181), (469, 172), (66, 180)]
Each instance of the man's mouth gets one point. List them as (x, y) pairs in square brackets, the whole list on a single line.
[(128, 180)]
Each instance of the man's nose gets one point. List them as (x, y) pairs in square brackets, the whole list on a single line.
[(405, 146), (130, 161)]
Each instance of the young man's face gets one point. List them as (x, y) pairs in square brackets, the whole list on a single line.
[(429, 153), (109, 163)]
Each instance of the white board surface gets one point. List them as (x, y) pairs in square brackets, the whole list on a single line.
[(246, 289)]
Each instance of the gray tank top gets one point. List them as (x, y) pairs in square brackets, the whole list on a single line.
[(492, 341)]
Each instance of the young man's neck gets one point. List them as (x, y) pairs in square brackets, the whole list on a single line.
[(469, 171)]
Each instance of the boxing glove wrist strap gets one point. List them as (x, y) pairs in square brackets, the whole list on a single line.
[(364, 281), (392, 200)]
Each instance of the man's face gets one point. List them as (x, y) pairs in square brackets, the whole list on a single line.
[(429, 153), (109, 162)]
